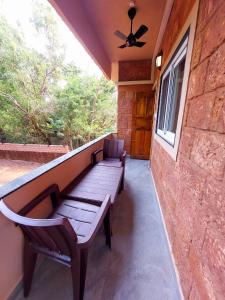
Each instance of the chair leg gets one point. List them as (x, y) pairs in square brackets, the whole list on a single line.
[(83, 270), (75, 270), (108, 229), (29, 261), (123, 178), (122, 184)]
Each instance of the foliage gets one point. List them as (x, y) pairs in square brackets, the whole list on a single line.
[(42, 98)]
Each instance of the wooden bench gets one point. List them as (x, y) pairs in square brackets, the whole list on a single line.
[(64, 236), (104, 177), (94, 183)]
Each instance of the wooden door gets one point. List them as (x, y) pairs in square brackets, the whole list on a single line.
[(143, 110)]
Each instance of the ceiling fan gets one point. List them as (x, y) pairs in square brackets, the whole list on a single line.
[(131, 39)]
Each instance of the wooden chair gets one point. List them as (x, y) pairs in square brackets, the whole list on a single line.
[(64, 237), (114, 155)]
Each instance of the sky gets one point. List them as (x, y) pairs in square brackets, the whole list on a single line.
[(21, 10)]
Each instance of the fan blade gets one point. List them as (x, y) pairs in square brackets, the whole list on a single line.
[(120, 35), (139, 44), (141, 31), (123, 46)]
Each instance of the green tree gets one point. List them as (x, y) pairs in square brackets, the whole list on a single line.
[(35, 106), (86, 106)]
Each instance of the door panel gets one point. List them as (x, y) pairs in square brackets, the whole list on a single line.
[(143, 110)]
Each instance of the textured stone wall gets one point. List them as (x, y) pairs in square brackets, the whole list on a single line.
[(178, 16), (31, 152), (192, 189)]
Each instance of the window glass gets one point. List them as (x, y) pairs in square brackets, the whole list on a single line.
[(170, 94), (163, 103), (175, 97)]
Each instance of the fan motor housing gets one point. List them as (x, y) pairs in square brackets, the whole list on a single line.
[(132, 12), (131, 40)]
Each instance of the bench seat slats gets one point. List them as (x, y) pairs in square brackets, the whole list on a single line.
[(81, 215), (110, 162), (93, 188), (95, 184)]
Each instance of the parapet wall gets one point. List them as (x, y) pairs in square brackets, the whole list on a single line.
[(32, 152)]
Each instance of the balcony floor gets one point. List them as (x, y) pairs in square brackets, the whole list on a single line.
[(139, 266)]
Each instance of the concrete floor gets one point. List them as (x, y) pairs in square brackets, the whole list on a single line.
[(139, 266)]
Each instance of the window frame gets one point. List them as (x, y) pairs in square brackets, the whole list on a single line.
[(179, 55), (190, 24)]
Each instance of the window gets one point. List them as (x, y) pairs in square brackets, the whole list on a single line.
[(170, 94)]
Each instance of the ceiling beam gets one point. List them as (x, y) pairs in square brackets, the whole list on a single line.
[(73, 14)]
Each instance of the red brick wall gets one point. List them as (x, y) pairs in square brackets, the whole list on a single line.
[(135, 70), (130, 71), (192, 189), (124, 116), (31, 152)]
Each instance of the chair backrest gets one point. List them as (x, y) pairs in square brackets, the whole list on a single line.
[(113, 148), (48, 236)]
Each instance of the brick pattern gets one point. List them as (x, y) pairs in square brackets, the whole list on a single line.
[(135, 70), (32, 152), (192, 189), (130, 71), (126, 97)]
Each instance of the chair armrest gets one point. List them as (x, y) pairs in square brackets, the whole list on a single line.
[(94, 156), (21, 220), (123, 158), (103, 209)]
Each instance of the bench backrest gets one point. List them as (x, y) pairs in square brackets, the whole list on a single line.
[(113, 148), (48, 236)]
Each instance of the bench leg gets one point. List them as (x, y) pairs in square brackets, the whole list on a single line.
[(83, 271), (122, 183), (108, 229), (75, 272), (29, 262)]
